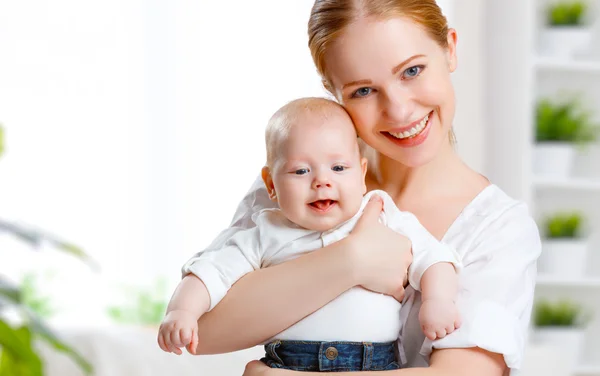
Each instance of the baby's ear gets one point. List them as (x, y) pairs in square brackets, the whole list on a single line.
[(268, 180), (363, 165)]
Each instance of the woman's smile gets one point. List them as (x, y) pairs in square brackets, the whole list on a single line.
[(413, 135)]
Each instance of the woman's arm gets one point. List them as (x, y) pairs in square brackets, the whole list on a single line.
[(267, 301), (447, 362)]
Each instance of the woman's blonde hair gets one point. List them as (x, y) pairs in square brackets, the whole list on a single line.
[(329, 18)]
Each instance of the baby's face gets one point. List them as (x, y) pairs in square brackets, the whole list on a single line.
[(319, 176)]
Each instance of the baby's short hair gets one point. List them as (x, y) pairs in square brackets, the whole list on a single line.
[(278, 127)]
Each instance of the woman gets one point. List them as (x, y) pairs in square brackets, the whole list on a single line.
[(389, 64)]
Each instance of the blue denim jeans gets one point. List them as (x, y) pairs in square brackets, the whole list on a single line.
[(331, 356)]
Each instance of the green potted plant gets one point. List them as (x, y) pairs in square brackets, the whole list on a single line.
[(564, 246), (560, 324), (561, 127), (18, 353), (566, 32)]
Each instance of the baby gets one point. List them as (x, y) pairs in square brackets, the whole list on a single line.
[(316, 174)]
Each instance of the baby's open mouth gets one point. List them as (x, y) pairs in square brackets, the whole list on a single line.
[(322, 205)]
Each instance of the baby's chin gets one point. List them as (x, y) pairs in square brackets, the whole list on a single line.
[(325, 223)]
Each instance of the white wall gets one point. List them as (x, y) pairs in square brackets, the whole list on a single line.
[(467, 17)]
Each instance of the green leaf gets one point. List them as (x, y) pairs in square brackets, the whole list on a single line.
[(36, 237), (23, 234), (9, 366), (40, 329), (9, 291), (17, 342)]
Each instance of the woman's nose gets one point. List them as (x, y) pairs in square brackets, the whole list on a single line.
[(398, 105)]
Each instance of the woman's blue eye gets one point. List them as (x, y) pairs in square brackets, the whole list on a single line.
[(413, 72), (362, 92), (338, 168), (301, 171)]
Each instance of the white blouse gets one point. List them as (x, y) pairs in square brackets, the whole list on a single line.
[(498, 242)]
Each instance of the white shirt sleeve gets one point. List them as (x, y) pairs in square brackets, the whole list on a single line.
[(426, 249), (496, 287), (235, 251), (220, 268)]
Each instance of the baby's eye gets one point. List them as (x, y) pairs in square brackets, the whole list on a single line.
[(338, 168), (301, 171)]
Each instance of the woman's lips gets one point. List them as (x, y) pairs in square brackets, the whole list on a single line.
[(414, 140)]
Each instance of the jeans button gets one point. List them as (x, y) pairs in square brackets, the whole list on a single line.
[(331, 353)]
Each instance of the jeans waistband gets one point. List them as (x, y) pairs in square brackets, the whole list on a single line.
[(332, 356)]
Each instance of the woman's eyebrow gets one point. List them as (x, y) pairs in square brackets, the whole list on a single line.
[(355, 83), (395, 70)]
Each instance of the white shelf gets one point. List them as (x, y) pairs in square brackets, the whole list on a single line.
[(548, 280), (575, 183), (550, 64), (588, 370)]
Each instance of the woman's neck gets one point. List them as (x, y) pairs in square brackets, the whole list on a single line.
[(442, 176)]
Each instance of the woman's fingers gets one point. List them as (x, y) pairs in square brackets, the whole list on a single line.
[(371, 212)]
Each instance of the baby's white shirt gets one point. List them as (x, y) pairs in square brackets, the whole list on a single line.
[(499, 244), (357, 314)]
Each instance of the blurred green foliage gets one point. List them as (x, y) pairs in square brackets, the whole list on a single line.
[(32, 297), (564, 225), (562, 313), (564, 121), (145, 306), (18, 354), (567, 13)]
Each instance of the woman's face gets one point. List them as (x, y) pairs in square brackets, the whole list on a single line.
[(394, 81)]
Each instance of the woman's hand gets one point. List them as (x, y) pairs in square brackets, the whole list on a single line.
[(381, 255)]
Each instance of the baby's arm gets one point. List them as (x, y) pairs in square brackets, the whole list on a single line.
[(438, 314), (207, 278), (179, 327), (433, 272)]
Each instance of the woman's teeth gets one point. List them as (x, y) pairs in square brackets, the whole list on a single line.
[(413, 131)]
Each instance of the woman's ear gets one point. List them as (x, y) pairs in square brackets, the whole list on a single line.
[(268, 180), (451, 52)]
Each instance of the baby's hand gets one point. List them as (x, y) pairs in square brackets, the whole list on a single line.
[(178, 329), (438, 318)]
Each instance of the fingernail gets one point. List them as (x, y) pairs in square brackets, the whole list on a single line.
[(375, 198)]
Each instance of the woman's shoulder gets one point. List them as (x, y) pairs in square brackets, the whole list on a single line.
[(494, 217), (492, 203)]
